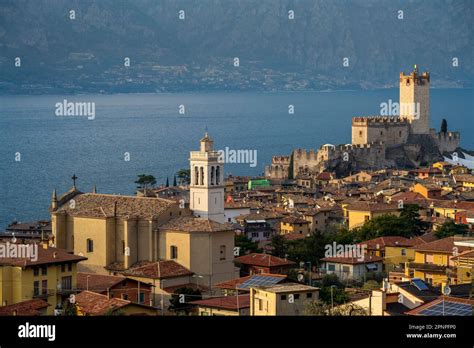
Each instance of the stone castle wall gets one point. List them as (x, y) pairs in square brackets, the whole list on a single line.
[(446, 142), (279, 168), (390, 130)]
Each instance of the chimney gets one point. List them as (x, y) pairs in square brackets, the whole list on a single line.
[(55, 255), (45, 244)]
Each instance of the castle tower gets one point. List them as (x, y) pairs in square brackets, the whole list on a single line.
[(415, 100), (206, 197)]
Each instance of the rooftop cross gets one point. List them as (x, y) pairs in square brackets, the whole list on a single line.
[(74, 178)]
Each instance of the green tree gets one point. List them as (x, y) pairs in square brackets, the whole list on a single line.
[(174, 181), (279, 246), (69, 309), (371, 285), (444, 126), (181, 297), (246, 245), (411, 216), (290, 168), (145, 181), (184, 176), (450, 228), (167, 182)]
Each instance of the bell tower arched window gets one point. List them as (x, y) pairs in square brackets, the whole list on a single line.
[(212, 175), (202, 175), (218, 174), (196, 176)]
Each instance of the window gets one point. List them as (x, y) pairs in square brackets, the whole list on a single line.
[(331, 267), (260, 305), (66, 283), (222, 252), (360, 133), (266, 234), (212, 175), (196, 176), (404, 252), (63, 267), (283, 297), (400, 133), (297, 296), (255, 234), (174, 252), (381, 133), (36, 288), (124, 296), (123, 247), (90, 245), (44, 286), (142, 297), (218, 175), (228, 219), (124, 283), (202, 175), (44, 270), (309, 295), (366, 218), (36, 271)]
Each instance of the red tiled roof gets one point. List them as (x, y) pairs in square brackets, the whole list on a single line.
[(194, 224), (372, 206), (159, 270), (29, 308), (255, 259), (382, 242), (225, 302), (444, 245), (294, 236), (353, 260), (93, 303), (97, 282), (45, 256)]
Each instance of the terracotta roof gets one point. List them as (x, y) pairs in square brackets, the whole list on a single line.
[(225, 302), (45, 256), (382, 242), (195, 286), (262, 215), (353, 260), (102, 205), (464, 178), (294, 220), (93, 303), (159, 270), (447, 299), (97, 282), (286, 287), (437, 203), (444, 245), (372, 206), (194, 224), (267, 260), (294, 236), (24, 308), (324, 176)]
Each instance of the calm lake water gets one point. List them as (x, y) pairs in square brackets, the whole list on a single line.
[(158, 138)]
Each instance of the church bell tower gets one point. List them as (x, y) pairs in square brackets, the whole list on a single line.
[(207, 182)]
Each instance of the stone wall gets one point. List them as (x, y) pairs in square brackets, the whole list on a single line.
[(390, 130)]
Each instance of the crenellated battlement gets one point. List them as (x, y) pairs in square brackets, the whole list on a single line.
[(378, 120), (282, 159), (415, 77)]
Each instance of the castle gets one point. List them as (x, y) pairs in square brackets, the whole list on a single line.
[(405, 140)]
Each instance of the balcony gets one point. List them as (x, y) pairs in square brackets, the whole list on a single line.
[(41, 294), (430, 267)]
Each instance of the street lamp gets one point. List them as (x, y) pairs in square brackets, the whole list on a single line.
[(162, 300), (332, 299)]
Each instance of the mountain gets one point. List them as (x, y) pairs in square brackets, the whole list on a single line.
[(171, 54)]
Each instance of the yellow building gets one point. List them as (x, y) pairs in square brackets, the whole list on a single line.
[(448, 209), (395, 250), (360, 212), (223, 306), (115, 232), (435, 262), (51, 277), (294, 224), (282, 299)]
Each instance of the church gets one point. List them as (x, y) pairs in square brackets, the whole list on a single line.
[(116, 232)]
